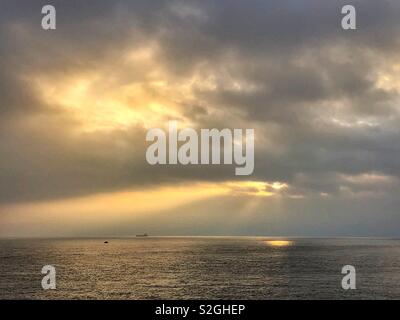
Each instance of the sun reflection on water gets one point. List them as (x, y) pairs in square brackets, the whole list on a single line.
[(279, 243)]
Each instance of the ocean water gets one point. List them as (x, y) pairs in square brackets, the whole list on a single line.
[(200, 268)]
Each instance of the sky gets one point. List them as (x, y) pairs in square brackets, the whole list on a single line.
[(76, 103)]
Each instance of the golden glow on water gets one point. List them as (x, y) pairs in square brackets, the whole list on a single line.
[(279, 243)]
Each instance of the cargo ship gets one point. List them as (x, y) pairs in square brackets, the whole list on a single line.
[(142, 235)]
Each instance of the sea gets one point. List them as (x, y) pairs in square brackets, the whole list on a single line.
[(260, 268)]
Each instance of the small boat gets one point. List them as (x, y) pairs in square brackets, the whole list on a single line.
[(105, 241), (142, 235)]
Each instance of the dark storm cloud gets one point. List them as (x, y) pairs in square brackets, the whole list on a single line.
[(297, 70)]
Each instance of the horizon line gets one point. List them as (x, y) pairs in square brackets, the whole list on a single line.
[(198, 236)]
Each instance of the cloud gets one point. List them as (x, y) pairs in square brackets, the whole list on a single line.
[(76, 102)]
